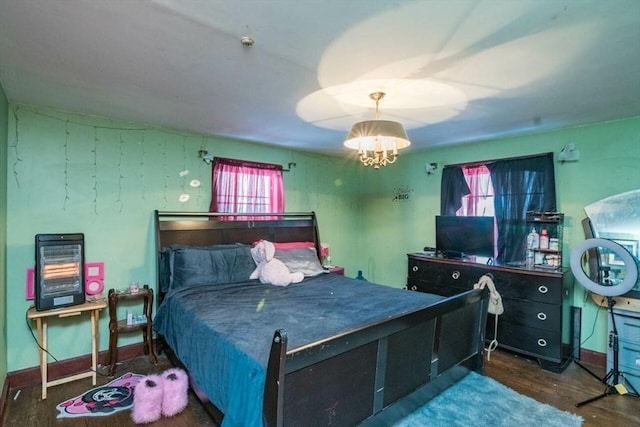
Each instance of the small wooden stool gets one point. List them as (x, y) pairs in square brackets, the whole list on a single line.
[(145, 294)]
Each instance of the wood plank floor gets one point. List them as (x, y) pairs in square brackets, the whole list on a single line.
[(523, 375), (564, 390)]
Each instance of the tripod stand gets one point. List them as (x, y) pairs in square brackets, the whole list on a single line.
[(612, 378)]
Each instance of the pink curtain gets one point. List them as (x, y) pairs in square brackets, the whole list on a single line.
[(246, 187), (480, 201)]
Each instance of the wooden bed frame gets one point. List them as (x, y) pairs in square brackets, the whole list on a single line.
[(374, 375)]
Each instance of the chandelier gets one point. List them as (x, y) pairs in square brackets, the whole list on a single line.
[(377, 141)]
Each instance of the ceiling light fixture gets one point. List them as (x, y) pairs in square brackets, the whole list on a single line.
[(377, 141)]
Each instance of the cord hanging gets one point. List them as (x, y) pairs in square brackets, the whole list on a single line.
[(495, 307)]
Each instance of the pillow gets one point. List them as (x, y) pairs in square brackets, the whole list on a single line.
[(303, 260), (164, 269), (186, 266), (293, 245)]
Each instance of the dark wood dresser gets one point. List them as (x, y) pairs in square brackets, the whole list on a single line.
[(537, 303)]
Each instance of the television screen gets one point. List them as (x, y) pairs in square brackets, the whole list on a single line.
[(465, 236)]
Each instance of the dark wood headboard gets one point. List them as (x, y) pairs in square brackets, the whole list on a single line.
[(213, 228)]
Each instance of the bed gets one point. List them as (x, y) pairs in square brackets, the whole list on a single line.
[(330, 350)]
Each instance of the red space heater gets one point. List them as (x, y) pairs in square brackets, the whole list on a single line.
[(59, 272)]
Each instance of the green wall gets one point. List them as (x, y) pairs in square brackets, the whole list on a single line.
[(104, 178), (74, 173), (609, 164), (4, 129)]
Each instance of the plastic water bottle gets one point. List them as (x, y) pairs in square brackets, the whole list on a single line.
[(529, 258), (533, 239)]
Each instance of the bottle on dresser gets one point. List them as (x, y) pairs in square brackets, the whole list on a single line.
[(529, 258), (544, 239), (533, 241)]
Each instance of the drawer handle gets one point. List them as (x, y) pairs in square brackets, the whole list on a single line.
[(415, 268), (414, 288), (455, 275), (542, 342), (542, 316), (543, 289)]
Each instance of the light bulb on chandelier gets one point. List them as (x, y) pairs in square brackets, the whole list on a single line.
[(377, 141)]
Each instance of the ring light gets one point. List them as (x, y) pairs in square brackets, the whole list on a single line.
[(608, 291)]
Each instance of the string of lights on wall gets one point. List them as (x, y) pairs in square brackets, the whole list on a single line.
[(95, 170), (120, 176), (66, 164), (186, 184), (143, 153), (17, 160)]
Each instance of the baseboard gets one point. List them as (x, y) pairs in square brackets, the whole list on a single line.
[(63, 368), (590, 357)]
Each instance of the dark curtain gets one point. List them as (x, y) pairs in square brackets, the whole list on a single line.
[(520, 186), (452, 188)]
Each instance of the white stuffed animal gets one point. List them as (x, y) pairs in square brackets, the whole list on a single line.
[(270, 269)]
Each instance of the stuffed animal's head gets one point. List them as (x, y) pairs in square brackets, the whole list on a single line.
[(263, 251)]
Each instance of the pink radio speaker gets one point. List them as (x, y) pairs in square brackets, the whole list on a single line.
[(94, 278), (29, 291)]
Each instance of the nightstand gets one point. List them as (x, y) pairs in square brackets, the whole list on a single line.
[(145, 297), (42, 317)]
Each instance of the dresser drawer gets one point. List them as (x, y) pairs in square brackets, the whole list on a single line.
[(532, 314), (461, 277), (538, 342), (528, 287), (432, 288)]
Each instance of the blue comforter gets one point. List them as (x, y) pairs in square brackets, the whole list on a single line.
[(222, 333)]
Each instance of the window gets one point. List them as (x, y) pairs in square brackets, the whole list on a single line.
[(518, 185), (240, 186), (479, 202)]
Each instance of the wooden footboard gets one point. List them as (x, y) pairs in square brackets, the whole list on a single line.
[(372, 374)]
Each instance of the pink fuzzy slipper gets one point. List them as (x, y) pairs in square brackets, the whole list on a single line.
[(147, 400), (176, 387)]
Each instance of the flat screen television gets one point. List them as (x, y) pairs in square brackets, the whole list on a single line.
[(458, 236)]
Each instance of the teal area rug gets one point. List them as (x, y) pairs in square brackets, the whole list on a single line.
[(477, 400)]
